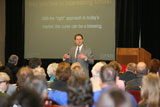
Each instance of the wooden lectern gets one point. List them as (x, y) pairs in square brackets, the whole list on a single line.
[(127, 55)]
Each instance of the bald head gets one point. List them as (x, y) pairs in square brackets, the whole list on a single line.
[(142, 68)]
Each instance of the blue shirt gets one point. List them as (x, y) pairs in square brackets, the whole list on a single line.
[(60, 97), (97, 94)]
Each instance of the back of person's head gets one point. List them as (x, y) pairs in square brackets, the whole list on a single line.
[(154, 66), (108, 74), (39, 71), (114, 98), (13, 59), (76, 66), (51, 69), (77, 69), (23, 74), (35, 62), (78, 73), (142, 68), (79, 91), (150, 90), (117, 66), (63, 71), (131, 67), (38, 84), (97, 68), (25, 98)]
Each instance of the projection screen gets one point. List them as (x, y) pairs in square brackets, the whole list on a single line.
[(50, 26)]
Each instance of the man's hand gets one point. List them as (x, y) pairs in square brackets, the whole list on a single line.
[(82, 56)]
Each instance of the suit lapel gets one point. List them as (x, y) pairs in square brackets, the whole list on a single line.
[(82, 50)]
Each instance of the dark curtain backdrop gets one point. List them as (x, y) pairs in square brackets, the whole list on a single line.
[(14, 39), (133, 18)]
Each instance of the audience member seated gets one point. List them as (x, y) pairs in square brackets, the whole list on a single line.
[(150, 93), (96, 76), (63, 73), (77, 70), (75, 66), (114, 98), (22, 75), (154, 66), (108, 80), (8, 72), (12, 64), (4, 81), (38, 84), (25, 98), (130, 73), (62, 99), (80, 92), (35, 62), (117, 67), (51, 71), (136, 83), (39, 71)]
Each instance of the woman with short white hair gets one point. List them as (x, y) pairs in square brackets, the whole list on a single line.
[(96, 75)]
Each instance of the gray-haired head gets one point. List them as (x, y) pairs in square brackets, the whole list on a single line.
[(13, 59), (51, 69)]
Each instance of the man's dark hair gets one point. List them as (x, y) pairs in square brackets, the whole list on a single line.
[(35, 62), (78, 35), (108, 74), (25, 98), (79, 91), (154, 65)]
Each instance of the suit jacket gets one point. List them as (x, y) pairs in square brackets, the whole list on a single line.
[(84, 63), (137, 82), (127, 76)]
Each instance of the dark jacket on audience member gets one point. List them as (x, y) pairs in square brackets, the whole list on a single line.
[(127, 76), (14, 69), (135, 82), (59, 85)]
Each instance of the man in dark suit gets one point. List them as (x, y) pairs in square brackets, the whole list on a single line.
[(80, 53), (130, 73), (13, 66), (136, 83)]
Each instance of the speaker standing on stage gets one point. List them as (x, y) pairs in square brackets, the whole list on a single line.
[(80, 53)]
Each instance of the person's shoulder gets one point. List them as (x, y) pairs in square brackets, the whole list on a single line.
[(86, 48)]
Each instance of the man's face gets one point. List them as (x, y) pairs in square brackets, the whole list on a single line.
[(4, 86), (78, 40)]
